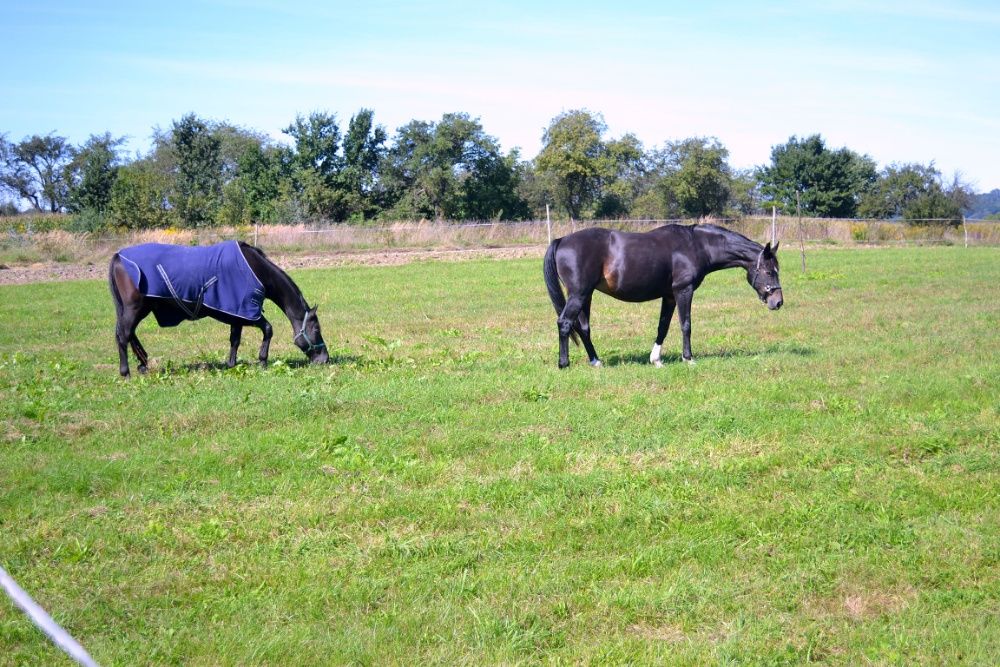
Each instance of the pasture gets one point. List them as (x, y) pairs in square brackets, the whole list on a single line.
[(824, 485)]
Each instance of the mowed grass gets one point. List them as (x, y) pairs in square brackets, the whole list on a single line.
[(821, 486)]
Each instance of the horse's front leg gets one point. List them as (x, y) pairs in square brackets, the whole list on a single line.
[(683, 298), (265, 345), (666, 312), (235, 334)]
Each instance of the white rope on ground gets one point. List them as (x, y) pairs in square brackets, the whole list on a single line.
[(41, 618)]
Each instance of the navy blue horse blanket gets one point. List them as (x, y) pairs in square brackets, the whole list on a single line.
[(215, 277)]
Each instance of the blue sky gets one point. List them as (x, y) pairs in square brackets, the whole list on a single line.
[(902, 81)]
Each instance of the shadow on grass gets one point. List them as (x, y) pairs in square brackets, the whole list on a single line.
[(295, 362), (616, 359)]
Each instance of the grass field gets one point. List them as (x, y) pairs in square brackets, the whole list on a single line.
[(824, 485)]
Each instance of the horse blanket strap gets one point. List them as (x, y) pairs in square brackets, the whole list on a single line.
[(197, 280), (192, 312)]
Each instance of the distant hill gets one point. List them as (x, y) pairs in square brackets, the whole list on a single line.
[(984, 204)]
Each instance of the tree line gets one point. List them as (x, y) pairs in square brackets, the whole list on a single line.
[(200, 172)]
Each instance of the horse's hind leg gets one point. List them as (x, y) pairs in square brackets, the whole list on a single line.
[(140, 352), (567, 322), (583, 328), (235, 334), (683, 298), (121, 337), (265, 345)]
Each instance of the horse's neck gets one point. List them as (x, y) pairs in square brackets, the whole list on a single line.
[(279, 288), (734, 251)]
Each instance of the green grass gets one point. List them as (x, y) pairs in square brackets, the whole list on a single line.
[(821, 486)]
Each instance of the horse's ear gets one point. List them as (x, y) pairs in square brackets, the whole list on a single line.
[(774, 250), (767, 249)]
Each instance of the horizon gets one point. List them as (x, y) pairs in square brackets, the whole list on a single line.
[(873, 78)]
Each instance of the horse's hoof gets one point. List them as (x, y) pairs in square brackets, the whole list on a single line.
[(596, 363), (658, 364), (263, 363), (563, 364), (689, 362), (142, 369)]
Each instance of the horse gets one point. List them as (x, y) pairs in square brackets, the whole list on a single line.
[(227, 281), (667, 263)]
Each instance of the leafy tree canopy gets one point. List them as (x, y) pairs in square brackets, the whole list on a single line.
[(827, 183)]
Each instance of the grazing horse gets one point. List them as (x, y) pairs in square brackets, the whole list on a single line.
[(666, 263), (227, 281)]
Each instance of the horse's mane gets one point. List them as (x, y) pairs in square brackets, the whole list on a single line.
[(733, 238), (280, 272)]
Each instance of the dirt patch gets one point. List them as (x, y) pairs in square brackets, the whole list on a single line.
[(668, 632), (59, 272)]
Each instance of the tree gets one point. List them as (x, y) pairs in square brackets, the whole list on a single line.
[(744, 192), (622, 169), (91, 173), (263, 189), (139, 197), (34, 170), (698, 182), (364, 148), (317, 163), (915, 192), (199, 170), (451, 169), (828, 183), (570, 156)]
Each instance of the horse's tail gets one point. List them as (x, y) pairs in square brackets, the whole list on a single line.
[(119, 304), (552, 282)]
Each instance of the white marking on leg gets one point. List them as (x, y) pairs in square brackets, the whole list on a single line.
[(596, 363), (654, 356)]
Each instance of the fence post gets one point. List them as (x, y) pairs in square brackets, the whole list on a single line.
[(548, 223), (802, 246), (774, 222), (965, 232)]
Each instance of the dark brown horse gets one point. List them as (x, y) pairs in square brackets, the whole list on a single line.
[(667, 263), (133, 283)]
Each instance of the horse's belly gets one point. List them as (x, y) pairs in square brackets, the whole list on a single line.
[(629, 293)]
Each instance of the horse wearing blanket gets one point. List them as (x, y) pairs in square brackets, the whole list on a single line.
[(227, 281)]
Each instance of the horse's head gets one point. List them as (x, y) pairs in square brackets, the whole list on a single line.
[(762, 275), (309, 338)]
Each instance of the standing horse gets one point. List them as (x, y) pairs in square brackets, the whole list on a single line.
[(666, 263), (227, 281)]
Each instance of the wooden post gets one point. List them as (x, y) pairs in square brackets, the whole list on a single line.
[(255, 232), (548, 223), (774, 222), (802, 247), (965, 232)]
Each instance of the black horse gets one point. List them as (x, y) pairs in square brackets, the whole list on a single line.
[(134, 301), (666, 263)]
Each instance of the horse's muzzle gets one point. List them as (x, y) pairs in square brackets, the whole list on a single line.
[(775, 300), (320, 358)]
